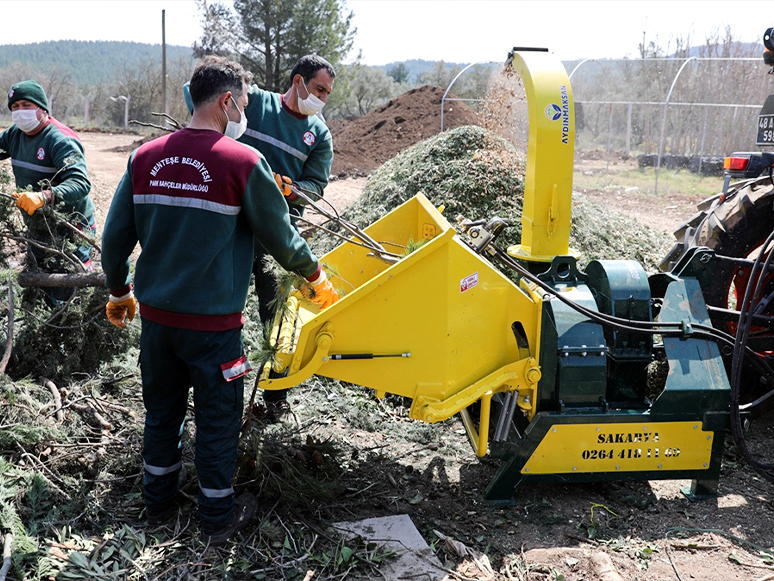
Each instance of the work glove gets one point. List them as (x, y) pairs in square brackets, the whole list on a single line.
[(323, 292), (283, 183), (31, 201), (119, 309)]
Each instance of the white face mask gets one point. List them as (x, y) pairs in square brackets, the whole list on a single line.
[(312, 105), (235, 130), (26, 119)]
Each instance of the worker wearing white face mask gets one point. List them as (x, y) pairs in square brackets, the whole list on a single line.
[(288, 129), (44, 150), (235, 130), (38, 146), (194, 200)]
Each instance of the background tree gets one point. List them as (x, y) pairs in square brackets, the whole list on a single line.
[(440, 75), (360, 89), (399, 73), (371, 88), (269, 36)]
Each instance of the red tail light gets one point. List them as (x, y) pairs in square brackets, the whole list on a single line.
[(736, 163)]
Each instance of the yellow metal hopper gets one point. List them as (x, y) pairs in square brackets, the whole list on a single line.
[(441, 326)]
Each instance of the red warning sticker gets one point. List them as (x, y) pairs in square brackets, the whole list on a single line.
[(469, 282)]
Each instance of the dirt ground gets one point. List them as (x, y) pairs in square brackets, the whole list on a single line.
[(665, 212), (106, 166), (648, 529)]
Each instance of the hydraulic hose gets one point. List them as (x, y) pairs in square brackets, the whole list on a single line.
[(669, 329), (746, 311)]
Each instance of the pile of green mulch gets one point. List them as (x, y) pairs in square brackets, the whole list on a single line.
[(479, 175)]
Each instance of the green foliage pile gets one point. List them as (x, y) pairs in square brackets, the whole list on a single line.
[(479, 175), (603, 234), (467, 170), (75, 343), (71, 476), (70, 492), (58, 342)]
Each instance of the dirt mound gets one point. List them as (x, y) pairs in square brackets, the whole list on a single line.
[(364, 143)]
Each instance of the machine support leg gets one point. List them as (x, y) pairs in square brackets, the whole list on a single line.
[(707, 486)]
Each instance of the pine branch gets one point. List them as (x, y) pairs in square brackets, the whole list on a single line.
[(9, 341), (49, 213), (74, 261)]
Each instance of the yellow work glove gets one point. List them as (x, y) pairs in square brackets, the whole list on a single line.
[(324, 293), (119, 309), (31, 201), (283, 183)]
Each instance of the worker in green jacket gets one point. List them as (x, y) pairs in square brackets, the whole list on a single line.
[(194, 200), (290, 133), (48, 166)]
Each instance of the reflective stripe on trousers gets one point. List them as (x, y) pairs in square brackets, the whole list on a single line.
[(212, 493), (160, 471)]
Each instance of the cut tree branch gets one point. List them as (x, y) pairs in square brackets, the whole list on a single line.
[(6, 556), (154, 125), (74, 280), (57, 399), (77, 263), (9, 341), (74, 229)]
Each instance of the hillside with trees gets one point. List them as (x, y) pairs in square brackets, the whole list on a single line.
[(86, 62)]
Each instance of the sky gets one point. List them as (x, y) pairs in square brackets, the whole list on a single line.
[(460, 31)]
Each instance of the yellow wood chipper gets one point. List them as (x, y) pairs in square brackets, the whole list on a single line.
[(550, 373)]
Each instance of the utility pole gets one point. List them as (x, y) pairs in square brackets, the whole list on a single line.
[(164, 101)]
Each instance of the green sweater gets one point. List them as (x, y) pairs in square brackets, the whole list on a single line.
[(297, 146), (194, 200), (54, 154)]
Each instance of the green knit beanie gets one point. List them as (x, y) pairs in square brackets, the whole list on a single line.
[(30, 91)]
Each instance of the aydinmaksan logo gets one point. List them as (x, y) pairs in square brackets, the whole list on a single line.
[(554, 112)]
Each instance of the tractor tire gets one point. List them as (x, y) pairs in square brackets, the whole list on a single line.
[(734, 228), (737, 227)]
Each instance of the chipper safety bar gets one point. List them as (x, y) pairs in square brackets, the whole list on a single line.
[(559, 362)]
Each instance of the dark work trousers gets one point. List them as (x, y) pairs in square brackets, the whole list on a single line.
[(266, 291), (171, 361)]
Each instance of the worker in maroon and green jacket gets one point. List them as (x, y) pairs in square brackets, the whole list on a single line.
[(47, 161), (289, 131), (194, 200)]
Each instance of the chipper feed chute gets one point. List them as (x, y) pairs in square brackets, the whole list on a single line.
[(429, 327), (561, 361)]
